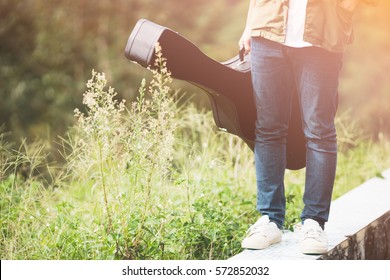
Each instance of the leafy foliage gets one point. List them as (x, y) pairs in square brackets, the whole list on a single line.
[(151, 180)]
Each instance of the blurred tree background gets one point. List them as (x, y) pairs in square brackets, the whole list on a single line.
[(48, 49)]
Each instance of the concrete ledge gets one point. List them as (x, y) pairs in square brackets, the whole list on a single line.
[(370, 243), (358, 228)]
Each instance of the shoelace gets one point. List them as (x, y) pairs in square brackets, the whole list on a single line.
[(257, 228), (312, 233)]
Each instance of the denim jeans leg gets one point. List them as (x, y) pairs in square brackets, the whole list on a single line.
[(273, 84), (316, 76)]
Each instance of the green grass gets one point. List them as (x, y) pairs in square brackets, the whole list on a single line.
[(153, 180)]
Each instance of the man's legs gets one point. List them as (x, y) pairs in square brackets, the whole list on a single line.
[(316, 74), (277, 70)]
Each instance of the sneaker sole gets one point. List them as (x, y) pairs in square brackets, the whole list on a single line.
[(314, 251), (255, 246)]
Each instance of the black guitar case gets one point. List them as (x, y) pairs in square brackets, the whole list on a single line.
[(227, 84)]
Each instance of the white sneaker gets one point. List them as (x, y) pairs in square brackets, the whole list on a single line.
[(262, 234), (313, 238)]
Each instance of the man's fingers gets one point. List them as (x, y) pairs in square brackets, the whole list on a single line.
[(247, 47)]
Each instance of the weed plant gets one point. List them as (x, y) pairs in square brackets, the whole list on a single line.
[(151, 180)]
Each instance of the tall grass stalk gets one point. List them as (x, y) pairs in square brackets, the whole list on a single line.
[(128, 152)]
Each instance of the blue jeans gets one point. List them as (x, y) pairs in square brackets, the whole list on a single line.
[(278, 71)]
